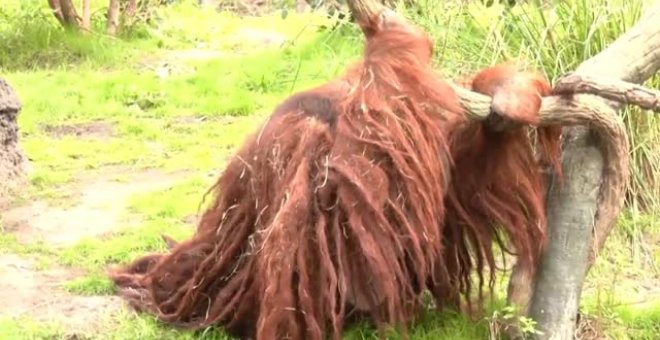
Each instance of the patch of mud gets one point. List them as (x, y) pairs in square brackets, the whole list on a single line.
[(37, 294), (94, 130), (100, 209)]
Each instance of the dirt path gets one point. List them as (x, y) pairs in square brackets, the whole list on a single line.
[(99, 208), (26, 290)]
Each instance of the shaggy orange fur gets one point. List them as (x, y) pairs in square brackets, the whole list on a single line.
[(356, 196)]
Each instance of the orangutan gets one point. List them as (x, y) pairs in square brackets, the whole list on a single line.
[(358, 195)]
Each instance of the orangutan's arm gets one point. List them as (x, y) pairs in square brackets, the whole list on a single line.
[(517, 96)]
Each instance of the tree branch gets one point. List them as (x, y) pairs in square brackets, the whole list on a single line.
[(597, 172), (612, 89), (584, 206), (634, 56), (561, 109), (365, 12), (638, 66)]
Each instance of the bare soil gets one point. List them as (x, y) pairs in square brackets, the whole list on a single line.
[(100, 208), (92, 130), (26, 290)]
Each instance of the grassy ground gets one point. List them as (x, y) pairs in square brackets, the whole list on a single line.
[(125, 135)]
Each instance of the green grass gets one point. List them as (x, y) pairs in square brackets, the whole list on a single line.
[(24, 328), (145, 101)]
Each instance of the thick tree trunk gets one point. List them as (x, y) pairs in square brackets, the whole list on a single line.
[(634, 57), (13, 163), (596, 166), (573, 210)]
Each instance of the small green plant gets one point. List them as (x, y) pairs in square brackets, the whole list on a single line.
[(506, 318), (528, 326)]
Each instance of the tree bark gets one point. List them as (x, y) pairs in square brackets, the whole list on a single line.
[(583, 206), (71, 17), (13, 163), (131, 9), (86, 16), (65, 12), (113, 17), (573, 210), (634, 58), (615, 90), (57, 10)]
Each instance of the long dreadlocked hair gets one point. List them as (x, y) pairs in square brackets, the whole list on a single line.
[(344, 201)]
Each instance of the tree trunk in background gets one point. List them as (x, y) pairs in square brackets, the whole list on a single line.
[(113, 17), (13, 163), (131, 9), (86, 16), (71, 17), (65, 13), (57, 10), (129, 15)]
